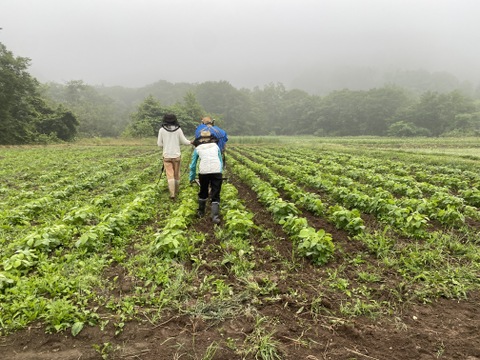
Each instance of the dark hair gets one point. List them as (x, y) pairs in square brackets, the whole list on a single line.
[(204, 140), (170, 119), (170, 122)]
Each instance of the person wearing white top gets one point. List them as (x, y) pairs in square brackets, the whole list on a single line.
[(170, 137), (208, 156)]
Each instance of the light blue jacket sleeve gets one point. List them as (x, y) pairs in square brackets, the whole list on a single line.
[(220, 157), (193, 165)]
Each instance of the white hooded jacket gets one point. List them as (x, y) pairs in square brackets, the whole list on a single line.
[(171, 141), (210, 160)]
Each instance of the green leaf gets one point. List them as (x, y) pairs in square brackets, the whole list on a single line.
[(77, 327)]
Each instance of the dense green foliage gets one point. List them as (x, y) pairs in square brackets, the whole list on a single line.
[(29, 112), (97, 114), (146, 121), (386, 111), (26, 117)]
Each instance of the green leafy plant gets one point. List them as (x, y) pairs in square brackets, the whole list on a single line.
[(348, 220), (238, 222), (21, 261), (317, 245)]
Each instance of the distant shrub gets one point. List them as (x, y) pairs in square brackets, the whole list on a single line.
[(406, 129)]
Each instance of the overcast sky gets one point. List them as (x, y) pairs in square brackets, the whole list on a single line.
[(245, 42)]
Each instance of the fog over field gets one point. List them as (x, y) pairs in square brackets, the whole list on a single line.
[(245, 42)]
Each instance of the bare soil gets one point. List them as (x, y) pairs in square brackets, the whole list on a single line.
[(303, 317)]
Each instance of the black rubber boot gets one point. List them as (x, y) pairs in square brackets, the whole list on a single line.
[(201, 207), (215, 213)]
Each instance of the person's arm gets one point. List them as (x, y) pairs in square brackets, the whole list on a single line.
[(182, 138), (224, 139), (220, 133), (220, 157), (193, 166), (160, 138)]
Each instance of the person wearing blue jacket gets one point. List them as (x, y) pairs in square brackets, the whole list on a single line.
[(209, 124), (208, 157)]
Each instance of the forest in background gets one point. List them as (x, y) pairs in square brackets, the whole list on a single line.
[(408, 103)]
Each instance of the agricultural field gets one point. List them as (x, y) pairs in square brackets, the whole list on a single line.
[(348, 248)]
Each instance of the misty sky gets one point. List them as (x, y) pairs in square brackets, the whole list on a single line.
[(245, 42)]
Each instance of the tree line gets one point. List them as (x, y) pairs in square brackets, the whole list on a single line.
[(31, 112), (25, 115), (274, 110)]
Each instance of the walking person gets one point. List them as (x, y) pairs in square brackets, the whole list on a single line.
[(170, 137), (209, 124), (210, 167)]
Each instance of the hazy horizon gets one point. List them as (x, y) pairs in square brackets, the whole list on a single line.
[(247, 43)]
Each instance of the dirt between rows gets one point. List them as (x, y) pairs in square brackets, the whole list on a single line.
[(443, 329)]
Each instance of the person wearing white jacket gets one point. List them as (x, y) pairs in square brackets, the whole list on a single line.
[(210, 167), (170, 137)]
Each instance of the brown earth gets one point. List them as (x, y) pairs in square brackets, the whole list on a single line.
[(301, 317)]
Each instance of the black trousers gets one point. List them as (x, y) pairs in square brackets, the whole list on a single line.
[(210, 183)]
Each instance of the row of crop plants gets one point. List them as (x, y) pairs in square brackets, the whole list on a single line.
[(176, 271), (315, 244), (27, 173), (71, 224), (164, 249), (53, 272), (44, 177), (64, 246), (342, 218), (42, 219), (48, 269), (26, 211), (410, 215), (67, 180), (444, 264), (308, 175), (401, 178)]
